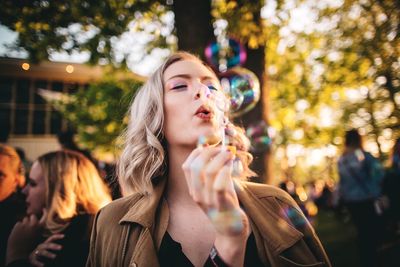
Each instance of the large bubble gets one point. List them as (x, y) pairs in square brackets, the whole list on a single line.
[(242, 87), (259, 136), (234, 54)]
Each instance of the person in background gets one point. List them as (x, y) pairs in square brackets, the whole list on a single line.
[(63, 193), (182, 204), (27, 163), (359, 186), (66, 141), (391, 189), (12, 201)]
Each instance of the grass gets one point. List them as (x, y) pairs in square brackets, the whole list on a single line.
[(338, 236)]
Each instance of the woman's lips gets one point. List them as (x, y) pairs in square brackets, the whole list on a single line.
[(204, 116), (204, 113)]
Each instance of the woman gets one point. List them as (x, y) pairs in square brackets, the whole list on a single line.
[(359, 186), (64, 190), (182, 206)]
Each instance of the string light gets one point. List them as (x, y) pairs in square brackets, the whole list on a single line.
[(69, 68), (25, 66)]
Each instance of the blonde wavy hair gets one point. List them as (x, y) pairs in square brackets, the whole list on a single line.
[(73, 186), (143, 156)]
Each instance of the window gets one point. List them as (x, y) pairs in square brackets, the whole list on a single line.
[(25, 112)]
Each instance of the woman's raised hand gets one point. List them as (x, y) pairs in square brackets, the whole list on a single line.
[(44, 250), (24, 237), (208, 175)]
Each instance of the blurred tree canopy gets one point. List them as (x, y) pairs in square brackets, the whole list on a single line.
[(362, 55), (45, 27), (326, 66), (99, 112)]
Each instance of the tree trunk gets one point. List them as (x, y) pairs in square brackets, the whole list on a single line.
[(256, 63), (193, 23)]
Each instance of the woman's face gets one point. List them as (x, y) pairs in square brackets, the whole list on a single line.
[(35, 190), (190, 91)]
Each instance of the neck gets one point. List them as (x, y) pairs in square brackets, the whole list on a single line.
[(177, 189)]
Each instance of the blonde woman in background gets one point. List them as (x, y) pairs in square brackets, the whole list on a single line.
[(182, 205), (64, 190)]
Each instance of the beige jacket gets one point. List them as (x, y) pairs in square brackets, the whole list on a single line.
[(128, 232)]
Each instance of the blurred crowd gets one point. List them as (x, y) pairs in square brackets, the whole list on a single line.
[(50, 203), (366, 194)]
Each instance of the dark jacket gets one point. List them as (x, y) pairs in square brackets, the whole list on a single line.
[(75, 245), (129, 231), (12, 209)]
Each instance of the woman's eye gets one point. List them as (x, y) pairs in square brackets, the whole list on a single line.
[(179, 86), (31, 183), (212, 87)]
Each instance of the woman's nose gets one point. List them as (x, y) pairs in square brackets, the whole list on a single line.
[(202, 91)]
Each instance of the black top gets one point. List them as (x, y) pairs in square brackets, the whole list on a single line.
[(12, 209), (171, 254), (75, 245)]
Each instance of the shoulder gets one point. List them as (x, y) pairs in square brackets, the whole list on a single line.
[(114, 211), (268, 192)]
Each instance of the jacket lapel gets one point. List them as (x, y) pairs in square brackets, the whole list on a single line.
[(144, 213)]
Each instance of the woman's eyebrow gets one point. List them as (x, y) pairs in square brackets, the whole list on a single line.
[(187, 76)]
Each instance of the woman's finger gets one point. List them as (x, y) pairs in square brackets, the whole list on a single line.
[(211, 172), (54, 237), (33, 219), (42, 220), (224, 181), (47, 254), (51, 246), (186, 167), (197, 169)]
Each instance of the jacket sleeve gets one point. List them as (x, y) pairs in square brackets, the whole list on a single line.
[(91, 260)]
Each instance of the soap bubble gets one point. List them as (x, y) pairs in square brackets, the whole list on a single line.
[(235, 54), (242, 87), (259, 136)]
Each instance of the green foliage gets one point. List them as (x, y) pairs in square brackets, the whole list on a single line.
[(320, 81), (244, 19), (343, 73), (365, 40), (99, 112), (81, 26)]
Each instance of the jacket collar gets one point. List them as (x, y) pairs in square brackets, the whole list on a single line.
[(272, 226), (144, 207)]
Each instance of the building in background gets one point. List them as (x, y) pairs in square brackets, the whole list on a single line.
[(27, 120)]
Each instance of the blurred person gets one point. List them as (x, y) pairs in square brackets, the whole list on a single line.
[(63, 193), (182, 206), (27, 163), (12, 201), (359, 186), (107, 171), (391, 189), (66, 141)]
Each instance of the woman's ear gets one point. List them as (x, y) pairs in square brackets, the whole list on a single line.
[(21, 176)]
